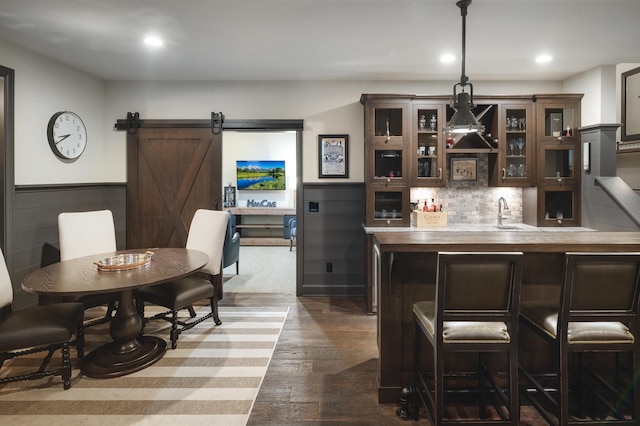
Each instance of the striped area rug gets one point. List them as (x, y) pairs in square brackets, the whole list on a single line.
[(212, 378)]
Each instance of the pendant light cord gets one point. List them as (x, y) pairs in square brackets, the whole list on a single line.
[(463, 4)]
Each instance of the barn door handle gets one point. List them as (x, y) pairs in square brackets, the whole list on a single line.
[(217, 118)]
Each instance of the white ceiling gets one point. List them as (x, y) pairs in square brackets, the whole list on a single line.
[(325, 39)]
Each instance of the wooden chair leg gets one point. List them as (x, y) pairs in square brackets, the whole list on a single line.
[(635, 382), (80, 340), (173, 335), (416, 369), (111, 308), (483, 400), (563, 371), (66, 366), (214, 310), (514, 392), (438, 370), (192, 312)]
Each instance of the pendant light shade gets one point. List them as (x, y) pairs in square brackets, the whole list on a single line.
[(463, 120)]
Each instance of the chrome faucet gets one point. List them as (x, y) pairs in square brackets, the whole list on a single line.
[(501, 202)]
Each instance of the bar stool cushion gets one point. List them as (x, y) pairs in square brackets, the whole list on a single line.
[(546, 318), (462, 331)]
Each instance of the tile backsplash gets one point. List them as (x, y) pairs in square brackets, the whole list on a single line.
[(472, 201)]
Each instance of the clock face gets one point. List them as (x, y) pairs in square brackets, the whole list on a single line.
[(67, 135)]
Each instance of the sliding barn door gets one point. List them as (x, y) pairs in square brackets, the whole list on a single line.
[(171, 172)]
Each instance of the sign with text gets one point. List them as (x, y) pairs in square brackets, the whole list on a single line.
[(263, 203)]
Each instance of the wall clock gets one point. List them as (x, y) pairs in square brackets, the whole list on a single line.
[(67, 135)]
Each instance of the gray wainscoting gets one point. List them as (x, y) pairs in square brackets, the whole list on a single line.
[(333, 240), (36, 224)]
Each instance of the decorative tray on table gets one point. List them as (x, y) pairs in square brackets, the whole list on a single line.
[(123, 262)]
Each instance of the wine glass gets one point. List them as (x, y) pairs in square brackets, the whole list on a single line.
[(521, 170), (511, 146), (512, 170), (520, 144)]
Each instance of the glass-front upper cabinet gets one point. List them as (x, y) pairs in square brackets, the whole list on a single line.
[(387, 142), (426, 143), (389, 165), (387, 122), (558, 164), (558, 119), (514, 164)]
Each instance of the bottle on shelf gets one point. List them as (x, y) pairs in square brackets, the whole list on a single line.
[(433, 205), (424, 207)]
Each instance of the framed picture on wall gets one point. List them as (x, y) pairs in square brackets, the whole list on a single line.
[(464, 169), (230, 196), (631, 105), (333, 156)]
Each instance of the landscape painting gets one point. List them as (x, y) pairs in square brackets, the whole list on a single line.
[(260, 175)]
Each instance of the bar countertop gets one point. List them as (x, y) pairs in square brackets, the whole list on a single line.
[(505, 240)]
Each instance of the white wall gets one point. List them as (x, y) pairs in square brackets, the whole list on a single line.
[(326, 108), (597, 85), (42, 88), (260, 146)]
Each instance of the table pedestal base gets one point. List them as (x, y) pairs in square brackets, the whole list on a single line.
[(104, 362)]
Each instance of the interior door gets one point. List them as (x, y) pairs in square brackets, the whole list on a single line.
[(171, 172)]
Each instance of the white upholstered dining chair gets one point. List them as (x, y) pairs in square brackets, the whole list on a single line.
[(84, 234), (206, 234)]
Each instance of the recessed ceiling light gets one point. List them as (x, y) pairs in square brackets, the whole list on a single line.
[(447, 58), (153, 41), (543, 59)]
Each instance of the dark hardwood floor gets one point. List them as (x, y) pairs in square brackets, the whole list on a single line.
[(324, 368)]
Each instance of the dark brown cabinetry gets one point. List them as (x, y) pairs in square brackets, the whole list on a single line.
[(530, 142), (387, 142), (514, 163), (428, 157), (556, 201)]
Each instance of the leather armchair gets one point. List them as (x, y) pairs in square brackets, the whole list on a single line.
[(231, 249)]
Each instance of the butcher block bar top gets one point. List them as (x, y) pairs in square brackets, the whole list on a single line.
[(405, 273)]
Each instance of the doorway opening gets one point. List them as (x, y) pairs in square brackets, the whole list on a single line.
[(261, 209)]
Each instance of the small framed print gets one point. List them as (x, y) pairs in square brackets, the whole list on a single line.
[(333, 156), (230, 196), (631, 105), (464, 169)]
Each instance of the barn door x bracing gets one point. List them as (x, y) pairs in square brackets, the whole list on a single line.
[(171, 172)]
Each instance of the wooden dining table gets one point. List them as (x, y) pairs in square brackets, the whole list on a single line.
[(128, 351)]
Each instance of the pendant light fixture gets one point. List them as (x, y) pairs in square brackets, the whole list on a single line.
[(463, 120)]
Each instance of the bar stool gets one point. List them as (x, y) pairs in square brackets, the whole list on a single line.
[(475, 310), (598, 314)]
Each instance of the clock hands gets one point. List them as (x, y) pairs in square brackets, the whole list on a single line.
[(63, 137)]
